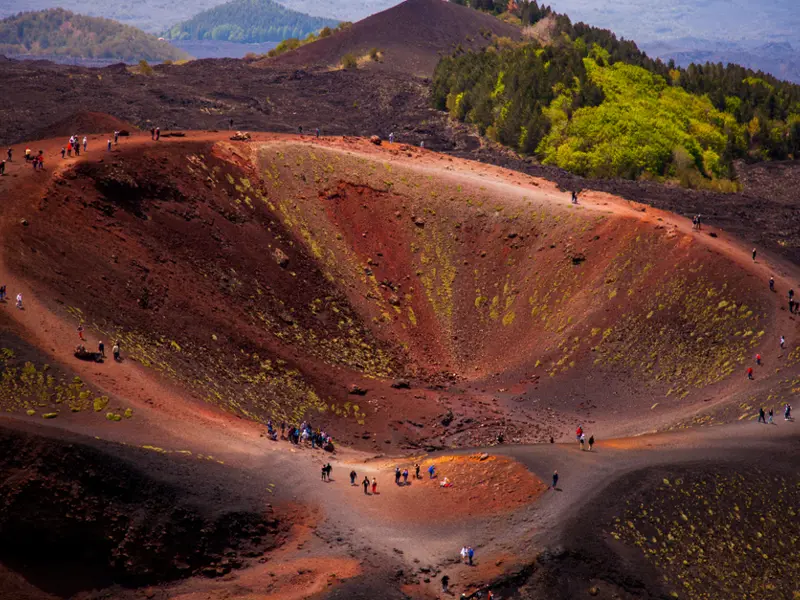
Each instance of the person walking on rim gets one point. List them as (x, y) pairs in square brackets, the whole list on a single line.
[(416, 471), (353, 477), (770, 414), (771, 284), (397, 475), (783, 342), (365, 483), (324, 472), (555, 479), (405, 476), (761, 417), (374, 486), (754, 255)]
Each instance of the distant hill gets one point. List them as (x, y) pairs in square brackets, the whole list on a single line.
[(344, 10), (59, 32), (248, 21), (411, 37)]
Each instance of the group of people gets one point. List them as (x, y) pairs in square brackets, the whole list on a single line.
[(74, 145), (304, 433), (696, 224), (768, 417), (467, 553), (37, 160), (580, 436), (4, 295)]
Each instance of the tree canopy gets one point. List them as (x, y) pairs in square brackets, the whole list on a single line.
[(250, 21), (58, 32), (598, 106)]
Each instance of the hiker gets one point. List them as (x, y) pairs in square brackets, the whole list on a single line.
[(328, 469), (391, 137), (80, 333), (758, 359), (19, 300), (754, 255), (591, 442), (463, 554), (432, 471), (8, 154), (27, 154), (416, 471), (699, 222), (374, 486), (108, 145), (578, 433), (422, 145), (324, 472), (405, 476), (783, 342), (2, 167), (397, 475), (365, 483), (582, 441), (85, 143), (63, 153), (69, 149), (353, 477), (761, 417), (574, 197), (770, 414), (152, 133), (158, 133), (555, 479), (787, 412), (750, 373), (316, 132), (694, 222), (791, 305), (445, 583), (300, 129), (771, 284), (115, 352), (470, 554), (116, 137), (2, 293)]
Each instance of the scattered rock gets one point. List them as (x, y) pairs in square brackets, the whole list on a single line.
[(240, 136), (483, 456), (418, 221), (280, 258), (401, 384), (23, 222), (394, 300), (375, 140), (712, 234), (357, 390), (593, 591)]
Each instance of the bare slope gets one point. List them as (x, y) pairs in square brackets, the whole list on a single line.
[(269, 278), (412, 36)]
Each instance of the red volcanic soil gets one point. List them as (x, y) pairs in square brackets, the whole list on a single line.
[(397, 299), (270, 278), (411, 36), (83, 123)]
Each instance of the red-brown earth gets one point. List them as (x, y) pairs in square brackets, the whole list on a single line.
[(263, 280)]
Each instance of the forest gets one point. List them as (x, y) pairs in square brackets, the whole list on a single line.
[(596, 105), (248, 21), (58, 32)]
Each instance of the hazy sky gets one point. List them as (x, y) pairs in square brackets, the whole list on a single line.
[(734, 20)]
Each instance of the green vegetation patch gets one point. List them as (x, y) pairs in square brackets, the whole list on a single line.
[(717, 536)]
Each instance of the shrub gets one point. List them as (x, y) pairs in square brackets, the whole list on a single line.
[(145, 68), (349, 61), (375, 54)]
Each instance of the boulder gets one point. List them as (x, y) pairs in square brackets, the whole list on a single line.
[(375, 140), (401, 384), (356, 390), (280, 258)]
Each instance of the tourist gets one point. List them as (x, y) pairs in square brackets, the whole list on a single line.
[(353, 476), (63, 153), (470, 554), (405, 476), (770, 414), (578, 433), (783, 342), (365, 483), (771, 284), (582, 440), (116, 137), (463, 554), (158, 133), (761, 416), (2, 167), (80, 333), (2, 293), (152, 133), (8, 154), (115, 352), (85, 143), (445, 583), (758, 359), (555, 479), (324, 472), (416, 471), (754, 255), (432, 471), (591, 442), (750, 373), (397, 475), (108, 145), (19, 300), (374, 486), (787, 412)]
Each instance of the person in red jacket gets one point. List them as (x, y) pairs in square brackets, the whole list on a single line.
[(578, 433), (750, 373)]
